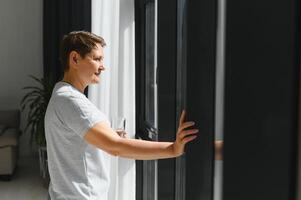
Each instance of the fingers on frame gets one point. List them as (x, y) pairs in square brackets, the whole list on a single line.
[(188, 132), (186, 125), (182, 118), (189, 138)]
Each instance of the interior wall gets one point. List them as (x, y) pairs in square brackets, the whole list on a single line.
[(20, 54)]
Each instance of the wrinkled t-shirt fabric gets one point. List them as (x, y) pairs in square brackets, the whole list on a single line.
[(77, 169)]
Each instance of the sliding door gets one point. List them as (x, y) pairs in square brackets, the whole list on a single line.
[(184, 69)]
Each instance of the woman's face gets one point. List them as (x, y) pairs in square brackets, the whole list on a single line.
[(90, 67)]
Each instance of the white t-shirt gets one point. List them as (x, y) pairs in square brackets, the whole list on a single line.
[(77, 169)]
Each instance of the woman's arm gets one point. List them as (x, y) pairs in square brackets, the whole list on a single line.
[(219, 146), (105, 138)]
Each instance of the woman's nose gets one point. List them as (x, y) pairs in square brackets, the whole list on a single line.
[(102, 67)]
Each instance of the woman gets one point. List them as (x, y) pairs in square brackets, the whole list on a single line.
[(79, 137)]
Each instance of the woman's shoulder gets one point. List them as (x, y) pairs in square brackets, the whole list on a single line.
[(64, 91)]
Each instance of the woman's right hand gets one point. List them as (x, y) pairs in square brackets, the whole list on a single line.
[(184, 135)]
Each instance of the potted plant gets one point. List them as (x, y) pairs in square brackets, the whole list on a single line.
[(36, 101)]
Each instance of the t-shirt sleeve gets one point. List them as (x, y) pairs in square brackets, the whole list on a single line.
[(79, 114)]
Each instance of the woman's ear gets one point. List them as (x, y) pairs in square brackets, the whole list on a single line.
[(73, 58)]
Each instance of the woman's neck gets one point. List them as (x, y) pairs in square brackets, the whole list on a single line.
[(72, 80)]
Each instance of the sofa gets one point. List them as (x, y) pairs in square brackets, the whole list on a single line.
[(9, 142)]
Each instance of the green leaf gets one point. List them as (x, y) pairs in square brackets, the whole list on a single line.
[(36, 100), (32, 88), (31, 94), (36, 79)]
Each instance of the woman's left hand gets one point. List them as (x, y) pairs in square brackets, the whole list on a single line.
[(184, 135)]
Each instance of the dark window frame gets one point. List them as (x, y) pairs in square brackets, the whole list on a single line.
[(144, 130)]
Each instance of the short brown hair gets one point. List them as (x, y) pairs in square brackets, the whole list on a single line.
[(80, 41)]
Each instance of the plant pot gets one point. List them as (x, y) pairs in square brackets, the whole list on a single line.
[(44, 166)]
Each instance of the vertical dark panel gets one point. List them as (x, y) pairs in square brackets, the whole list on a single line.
[(296, 183), (167, 43), (61, 17), (138, 88), (201, 42), (180, 171), (260, 100)]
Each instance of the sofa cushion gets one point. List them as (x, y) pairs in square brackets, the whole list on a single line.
[(9, 137)]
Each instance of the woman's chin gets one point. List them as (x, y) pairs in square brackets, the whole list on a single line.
[(95, 81)]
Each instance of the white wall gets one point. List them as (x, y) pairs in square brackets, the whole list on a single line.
[(21, 53)]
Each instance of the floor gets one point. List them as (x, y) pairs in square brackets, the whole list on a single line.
[(26, 184)]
